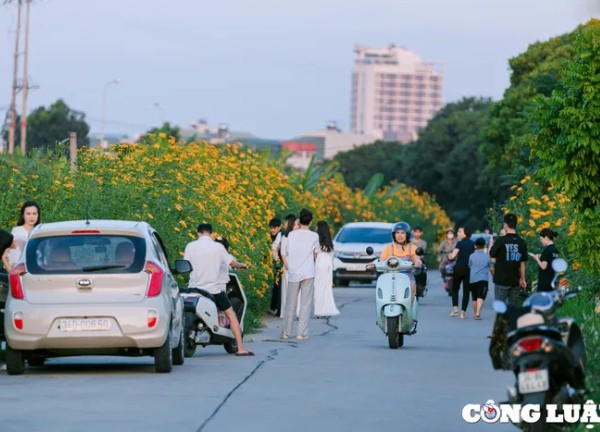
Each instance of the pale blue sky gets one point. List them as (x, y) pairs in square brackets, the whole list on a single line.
[(274, 68)]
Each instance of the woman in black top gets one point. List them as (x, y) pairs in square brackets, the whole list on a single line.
[(544, 261), (464, 248)]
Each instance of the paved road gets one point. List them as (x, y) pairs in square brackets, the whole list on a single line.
[(344, 378)]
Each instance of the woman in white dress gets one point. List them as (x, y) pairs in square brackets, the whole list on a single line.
[(29, 218), (292, 223), (324, 301)]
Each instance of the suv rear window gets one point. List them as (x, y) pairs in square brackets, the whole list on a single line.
[(364, 235), (86, 253)]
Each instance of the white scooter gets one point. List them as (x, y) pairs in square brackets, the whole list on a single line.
[(204, 324), (396, 316)]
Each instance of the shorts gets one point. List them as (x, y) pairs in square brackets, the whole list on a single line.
[(479, 289), (222, 301)]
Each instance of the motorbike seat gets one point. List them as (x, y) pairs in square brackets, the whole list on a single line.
[(529, 319), (203, 292)]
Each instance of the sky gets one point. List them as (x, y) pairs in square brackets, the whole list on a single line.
[(274, 68)]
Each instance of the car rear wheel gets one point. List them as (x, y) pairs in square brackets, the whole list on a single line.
[(179, 351), (163, 357), (15, 364)]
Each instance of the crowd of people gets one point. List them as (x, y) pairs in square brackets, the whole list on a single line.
[(472, 262)]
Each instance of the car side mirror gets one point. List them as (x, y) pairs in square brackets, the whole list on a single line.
[(182, 266), (369, 250), (420, 251)]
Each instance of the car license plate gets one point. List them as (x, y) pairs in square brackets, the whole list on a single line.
[(534, 381), (84, 324), (356, 267)]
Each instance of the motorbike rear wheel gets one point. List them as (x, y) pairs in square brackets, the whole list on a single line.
[(538, 398), (189, 349), (395, 338)]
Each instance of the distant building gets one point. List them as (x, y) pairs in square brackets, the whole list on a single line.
[(394, 93)]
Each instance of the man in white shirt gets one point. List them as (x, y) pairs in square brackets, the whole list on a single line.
[(207, 258), (299, 259)]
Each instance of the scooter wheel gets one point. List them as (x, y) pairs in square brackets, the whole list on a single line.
[(231, 347)]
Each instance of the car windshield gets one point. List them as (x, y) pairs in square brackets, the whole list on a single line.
[(364, 235), (86, 253)]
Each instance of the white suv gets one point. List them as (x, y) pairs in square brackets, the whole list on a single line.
[(99, 287), (350, 245)]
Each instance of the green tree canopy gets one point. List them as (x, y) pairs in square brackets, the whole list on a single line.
[(167, 129), (566, 139), (46, 127)]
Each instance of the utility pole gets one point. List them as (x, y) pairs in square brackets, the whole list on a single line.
[(13, 109), (25, 81)]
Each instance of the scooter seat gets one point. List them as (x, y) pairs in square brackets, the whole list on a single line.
[(203, 292)]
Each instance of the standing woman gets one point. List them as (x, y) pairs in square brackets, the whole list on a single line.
[(7, 243), (292, 223), (30, 217), (463, 250), (324, 301), (544, 261)]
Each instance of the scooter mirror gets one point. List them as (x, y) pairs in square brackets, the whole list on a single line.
[(369, 250), (559, 265), (499, 306)]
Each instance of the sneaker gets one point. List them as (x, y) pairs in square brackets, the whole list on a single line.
[(302, 337), (284, 336)]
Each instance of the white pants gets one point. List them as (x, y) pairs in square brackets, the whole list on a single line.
[(306, 288)]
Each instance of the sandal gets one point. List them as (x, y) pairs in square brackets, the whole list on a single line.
[(462, 315), (477, 317), (453, 314)]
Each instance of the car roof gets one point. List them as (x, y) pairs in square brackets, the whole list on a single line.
[(106, 226), (368, 225)]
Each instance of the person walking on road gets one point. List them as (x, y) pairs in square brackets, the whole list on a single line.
[(276, 234), (324, 301), (299, 257), (510, 252), (479, 265), (544, 261), (463, 250)]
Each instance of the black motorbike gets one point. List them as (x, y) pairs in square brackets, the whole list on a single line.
[(546, 352)]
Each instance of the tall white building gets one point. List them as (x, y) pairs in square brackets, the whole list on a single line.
[(394, 92)]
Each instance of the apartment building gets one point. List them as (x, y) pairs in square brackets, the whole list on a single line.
[(394, 93)]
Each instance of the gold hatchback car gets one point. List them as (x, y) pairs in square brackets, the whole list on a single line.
[(97, 287)]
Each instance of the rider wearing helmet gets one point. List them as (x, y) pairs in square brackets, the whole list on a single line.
[(402, 248)]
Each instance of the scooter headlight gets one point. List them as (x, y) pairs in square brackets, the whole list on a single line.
[(393, 263), (379, 293)]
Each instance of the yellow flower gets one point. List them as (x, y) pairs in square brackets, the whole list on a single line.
[(149, 216), (531, 223)]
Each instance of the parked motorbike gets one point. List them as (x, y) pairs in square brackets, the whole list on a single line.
[(396, 316), (205, 324), (448, 276), (546, 352)]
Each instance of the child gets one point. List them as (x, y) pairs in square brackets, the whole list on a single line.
[(480, 265)]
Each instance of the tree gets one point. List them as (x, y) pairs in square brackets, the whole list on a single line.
[(536, 71), (359, 165), (46, 127), (446, 161), (166, 129), (566, 139)]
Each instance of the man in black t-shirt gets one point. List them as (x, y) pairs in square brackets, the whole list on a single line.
[(510, 252)]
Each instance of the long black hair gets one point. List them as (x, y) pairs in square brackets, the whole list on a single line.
[(23, 207), (324, 236)]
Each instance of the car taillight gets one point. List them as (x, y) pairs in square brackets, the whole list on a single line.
[(85, 232), (14, 280), (152, 318), (530, 344), (156, 277), (18, 320)]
